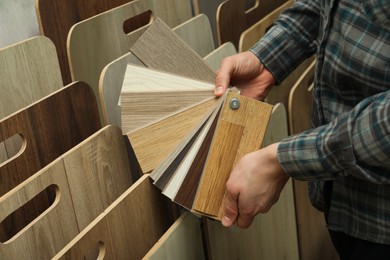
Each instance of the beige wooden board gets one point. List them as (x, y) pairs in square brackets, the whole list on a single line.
[(153, 143), (208, 8), (251, 35), (314, 240), (148, 95), (195, 32), (183, 240), (229, 30), (214, 58), (272, 235), (88, 179), (18, 21), (238, 132), (160, 48), (135, 222), (97, 41), (53, 229)]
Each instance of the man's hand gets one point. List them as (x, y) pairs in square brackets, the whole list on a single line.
[(253, 187), (246, 72)]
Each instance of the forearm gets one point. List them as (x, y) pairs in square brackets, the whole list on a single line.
[(291, 40), (356, 143)]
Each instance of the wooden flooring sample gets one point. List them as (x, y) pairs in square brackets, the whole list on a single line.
[(86, 179), (160, 48), (239, 131), (129, 228), (153, 143), (87, 59), (183, 240), (214, 58), (148, 95)]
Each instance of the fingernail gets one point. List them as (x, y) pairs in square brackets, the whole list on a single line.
[(218, 90), (226, 221)]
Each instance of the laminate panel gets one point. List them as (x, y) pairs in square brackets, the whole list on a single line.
[(135, 222), (214, 58), (229, 30), (97, 41), (183, 240), (49, 127), (160, 48), (195, 32), (18, 21), (272, 235), (148, 95), (251, 35), (153, 143), (236, 131)]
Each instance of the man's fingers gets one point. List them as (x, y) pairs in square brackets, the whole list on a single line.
[(231, 209)]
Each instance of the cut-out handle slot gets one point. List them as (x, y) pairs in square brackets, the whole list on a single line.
[(11, 148), (137, 22), (250, 5), (30, 211)]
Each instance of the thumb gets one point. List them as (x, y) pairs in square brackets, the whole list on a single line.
[(231, 209), (222, 79)]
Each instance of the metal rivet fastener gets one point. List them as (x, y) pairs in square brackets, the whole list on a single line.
[(234, 103)]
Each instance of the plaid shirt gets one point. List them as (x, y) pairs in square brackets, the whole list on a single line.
[(350, 143)]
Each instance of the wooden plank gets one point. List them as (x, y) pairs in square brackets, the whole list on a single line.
[(87, 59), (71, 114), (235, 135), (148, 95), (214, 58), (111, 78), (272, 235), (160, 48), (18, 21), (251, 35), (135, 222), (229, 30), (183, 240), (153, 143)]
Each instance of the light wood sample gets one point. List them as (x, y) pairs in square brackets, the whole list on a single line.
[(49, 127), (97, 41), (251, 35), (148, 95), (229, 30), (272, 235), (160, 48), (214, 58), (183, 240), (87, 179), (128, 228), (111, 78)]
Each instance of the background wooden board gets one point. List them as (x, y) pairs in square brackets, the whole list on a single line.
[(214, 58), (229, 30), (135, 222), (251, 35), (272, 235), (56, 17), (183, 240), (111, 78), (49, 127), (18, 21), (97, 41)]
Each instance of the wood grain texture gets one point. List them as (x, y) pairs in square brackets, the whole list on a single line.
[(56, 17), (272, 235), (251, 35), (183, 240), (87, 59), (153, 143), (238, 132), (214, 58), (18, 21), (111, 78), (229, 30), (160, 48), (148, 95), (49, 127), (135, 222), (314, 240), (88, 178)]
